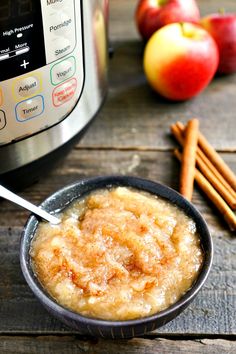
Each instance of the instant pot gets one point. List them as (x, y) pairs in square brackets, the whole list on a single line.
[(53, 73)]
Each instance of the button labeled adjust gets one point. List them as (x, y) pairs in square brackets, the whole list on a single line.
[(27, 86), (30, 108), (64, 92), (3, 121), (63, 71)]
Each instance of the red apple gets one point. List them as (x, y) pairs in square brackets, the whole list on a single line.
[(222, 27), (153, 14), (180, 60)]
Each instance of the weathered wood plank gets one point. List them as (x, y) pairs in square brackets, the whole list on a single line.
[(156, 165), (72, 345), (214, 310), (134, 115)]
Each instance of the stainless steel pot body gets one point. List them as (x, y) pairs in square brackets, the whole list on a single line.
[(73, 100)]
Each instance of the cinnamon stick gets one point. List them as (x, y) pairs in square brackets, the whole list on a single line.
[(213, 195), (219, 163), (208, 169), (211, 166), (216, 160), (189, 159)]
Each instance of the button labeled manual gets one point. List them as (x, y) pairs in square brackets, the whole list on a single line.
[(63, 71), (30, 108), (58, 4)]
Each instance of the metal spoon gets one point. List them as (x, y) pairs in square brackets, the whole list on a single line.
[(5, 193)]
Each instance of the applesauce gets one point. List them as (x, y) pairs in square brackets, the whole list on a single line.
[(119, 254)]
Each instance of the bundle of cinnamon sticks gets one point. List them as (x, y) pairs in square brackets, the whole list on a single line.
[(201, 162)]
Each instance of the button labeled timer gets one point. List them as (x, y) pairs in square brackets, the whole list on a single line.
[(30, 108)]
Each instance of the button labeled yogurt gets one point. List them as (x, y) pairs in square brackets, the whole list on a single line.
[(63, 70)]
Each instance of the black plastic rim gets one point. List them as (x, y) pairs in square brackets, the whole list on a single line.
[(60, 200)]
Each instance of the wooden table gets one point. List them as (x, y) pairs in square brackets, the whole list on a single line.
[(131, 136)]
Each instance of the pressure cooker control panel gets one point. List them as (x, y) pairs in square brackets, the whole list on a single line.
[(41, 64)]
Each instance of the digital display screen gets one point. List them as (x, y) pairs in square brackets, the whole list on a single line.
[(22, 47), (10, 9)]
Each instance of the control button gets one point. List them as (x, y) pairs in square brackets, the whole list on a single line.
[(59, 28), (61, 24), (58, 4), (60, 47), (30, 108), (3, 121), (63, 71), (64, 92), (24, 64), (28, 86)]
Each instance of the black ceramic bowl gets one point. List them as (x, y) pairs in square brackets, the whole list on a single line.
[(102, 328)]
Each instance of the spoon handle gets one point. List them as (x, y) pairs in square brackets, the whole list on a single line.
[(5, 193)]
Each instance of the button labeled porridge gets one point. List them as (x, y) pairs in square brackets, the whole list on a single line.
[(119, 254)]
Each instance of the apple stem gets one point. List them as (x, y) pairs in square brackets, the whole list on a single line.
[(182, 27), (161, 2), (221, 11)]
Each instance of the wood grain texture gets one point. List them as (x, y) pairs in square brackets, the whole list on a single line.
[(213, 311), (72, 345), (133, 115), (156, 165)]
